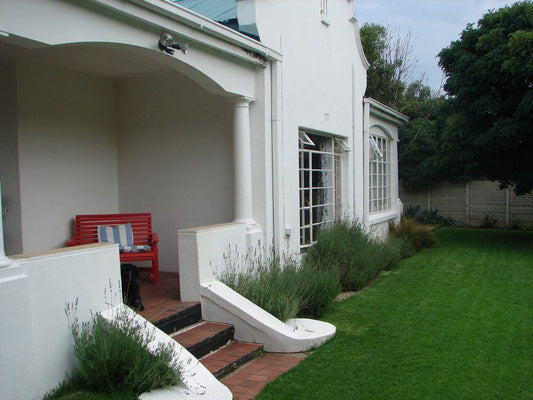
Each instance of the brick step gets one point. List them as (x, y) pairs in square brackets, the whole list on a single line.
[(205, 338), (174, 321), (228, 358)]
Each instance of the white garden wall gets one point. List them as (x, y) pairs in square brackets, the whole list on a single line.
[(35, 339), (206, 253)]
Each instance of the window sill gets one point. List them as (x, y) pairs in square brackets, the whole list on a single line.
[(382, 217)]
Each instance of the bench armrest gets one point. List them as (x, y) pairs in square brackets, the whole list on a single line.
[(155, 237)]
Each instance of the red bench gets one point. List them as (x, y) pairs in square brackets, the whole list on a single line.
[(141, 224)]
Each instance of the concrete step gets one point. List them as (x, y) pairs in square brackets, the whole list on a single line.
[(230, 357), (205, 338)]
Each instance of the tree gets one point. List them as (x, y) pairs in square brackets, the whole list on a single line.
[(489, 77), (419, 147), (379, 75), (390, 80), (392, 64)]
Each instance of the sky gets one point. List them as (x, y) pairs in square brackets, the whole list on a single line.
[(433, 23)]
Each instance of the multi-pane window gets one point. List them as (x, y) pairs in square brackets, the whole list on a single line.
[(380, 178), (320, 184)]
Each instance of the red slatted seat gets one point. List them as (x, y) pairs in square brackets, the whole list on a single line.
[(141, 224)]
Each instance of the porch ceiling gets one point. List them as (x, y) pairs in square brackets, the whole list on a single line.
[(108, 61)]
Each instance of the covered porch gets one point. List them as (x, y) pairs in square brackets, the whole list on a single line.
[(92, 128)]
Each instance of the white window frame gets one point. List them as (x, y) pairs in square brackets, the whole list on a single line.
[(320, 187), (380, 174), (324, 12)]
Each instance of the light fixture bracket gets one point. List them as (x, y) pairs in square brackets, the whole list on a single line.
[(168, 45)]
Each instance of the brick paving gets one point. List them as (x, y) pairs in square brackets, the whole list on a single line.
[(161, 299), (249, 380)]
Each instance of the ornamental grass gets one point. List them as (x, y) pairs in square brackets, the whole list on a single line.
[(284, 287)]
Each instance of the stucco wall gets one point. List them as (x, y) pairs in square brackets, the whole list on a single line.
[(67, 151), (323, 83), (175, 157), (35, 339), (9, 159)]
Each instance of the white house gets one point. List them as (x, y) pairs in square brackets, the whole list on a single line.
[(257, 135)]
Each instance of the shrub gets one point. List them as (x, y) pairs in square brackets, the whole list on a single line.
[(417, 235), (489, 222), (284, 291), (517, 225), (411, 211), (344, 257), (73, 390), (403, 247), (346, 249), (434, 217), (113, 357)]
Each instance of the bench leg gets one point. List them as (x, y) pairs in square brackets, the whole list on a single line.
[(155, 269)]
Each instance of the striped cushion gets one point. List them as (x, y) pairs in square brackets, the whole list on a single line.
[(121, 234), (142, 248)]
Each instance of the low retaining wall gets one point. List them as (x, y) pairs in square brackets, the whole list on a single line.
[(253, 324), (206, 251), (35, 339)]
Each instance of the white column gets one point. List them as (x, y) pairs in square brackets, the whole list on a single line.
[(242, 163), (4, 261)]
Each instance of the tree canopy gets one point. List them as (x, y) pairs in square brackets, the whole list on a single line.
[(390, 54), (483, 128), (391, 65), (489, 73)]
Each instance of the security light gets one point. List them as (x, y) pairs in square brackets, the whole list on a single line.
[(167, 44)]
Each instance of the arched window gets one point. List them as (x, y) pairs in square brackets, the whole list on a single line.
[(380, 171)]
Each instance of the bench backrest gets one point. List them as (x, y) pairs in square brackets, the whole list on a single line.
[(141, 224)]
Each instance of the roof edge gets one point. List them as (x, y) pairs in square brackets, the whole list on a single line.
[(362, 54), (211, 27), (391, 112)]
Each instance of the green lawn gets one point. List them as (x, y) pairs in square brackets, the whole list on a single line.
[(454, 322)]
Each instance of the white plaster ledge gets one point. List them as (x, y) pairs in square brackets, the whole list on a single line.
[(253, 324), (214, 227), (197, 382), (382, 217), (63, 251)]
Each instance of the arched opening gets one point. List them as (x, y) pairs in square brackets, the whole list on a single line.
[(381, 130), (106, 128)]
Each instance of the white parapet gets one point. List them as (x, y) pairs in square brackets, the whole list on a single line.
[(253, 324), (36, 351), (196, 380), (206, 251)]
